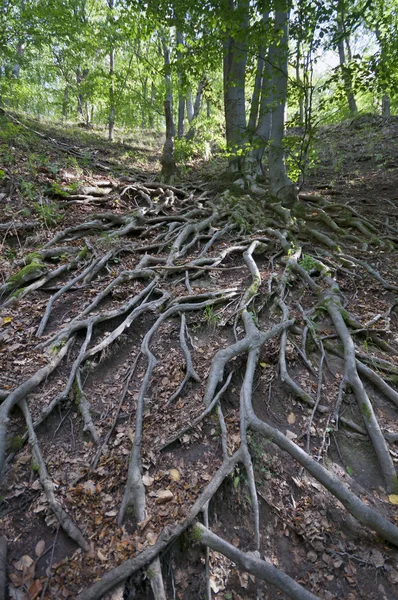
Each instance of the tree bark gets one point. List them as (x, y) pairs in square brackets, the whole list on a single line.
[(181, 96), (256, 95), (281, 186), (169, 89), (235, 58), (196, 108), (112, 107), (168, 163), (260, 138)]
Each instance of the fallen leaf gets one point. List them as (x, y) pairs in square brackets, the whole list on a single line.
[(174, 475), (151, 538), (24, 561), (291, 419), (147, 481), (393, 498), (40, 546), (35, 588), (101, 556), (290, 435), (111, 513)]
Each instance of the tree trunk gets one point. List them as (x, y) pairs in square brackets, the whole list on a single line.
[(181, 96), (153, 98), (299, 84), (235, 58), (112, 107), (385, 100), (16, 69), (260, 138), (342, 36), (256, 92), (281, 186), (169, 88), (189, 106), (144, 107), (386, 106), (196, 108), (65, 103), (168, 163)]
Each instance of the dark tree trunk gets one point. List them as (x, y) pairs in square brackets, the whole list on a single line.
[(168, 163)]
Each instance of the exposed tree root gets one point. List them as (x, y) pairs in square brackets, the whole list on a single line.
[(65, 521), (251, 563), (205, 245)]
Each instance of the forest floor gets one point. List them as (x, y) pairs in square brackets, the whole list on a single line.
[(175, 355)]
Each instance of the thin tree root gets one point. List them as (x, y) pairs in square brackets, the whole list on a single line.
[(65, 521)]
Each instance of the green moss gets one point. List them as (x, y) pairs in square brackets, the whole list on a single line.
[(31, 271), (366, 411), (18, 293), (196, 534), (33, 257), (83, 253), (35, 468), (16, 443)]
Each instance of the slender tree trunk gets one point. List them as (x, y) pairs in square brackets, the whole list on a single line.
[(196, 108), (181, 96), (235, 58), (342, 37), (168, 163), (256, 95), (386, 106), (144, 107), (299, 83), (65, 103), (153, 98), (169, 86), (260, 138), (189, 106), (112, 107), (281, 186), (16, 69), (208, 108), (385, 99)]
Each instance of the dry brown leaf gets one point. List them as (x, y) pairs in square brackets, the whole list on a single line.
[(24, 561), (291, 418), (40, 546), (147, 481), (174, 475), (101, 556), (35, 588)]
